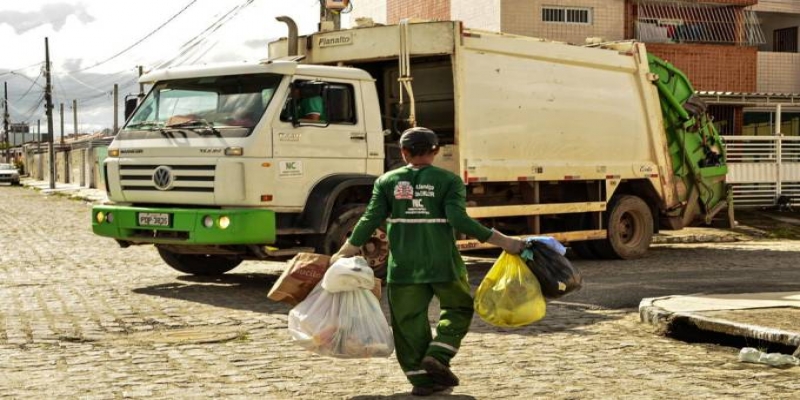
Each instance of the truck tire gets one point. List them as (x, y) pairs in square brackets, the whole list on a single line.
[(199, 264), (376, 250), (630, 229)]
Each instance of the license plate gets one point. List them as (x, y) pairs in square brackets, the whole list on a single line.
[(153, 219)]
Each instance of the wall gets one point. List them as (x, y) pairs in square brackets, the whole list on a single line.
[(84, 165), (419, 9), (778, 72), (785, 6), (712, 67), (483, 15), (375, 9), (524, 17)]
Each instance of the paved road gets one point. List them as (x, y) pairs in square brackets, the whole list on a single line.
[(81, 318)]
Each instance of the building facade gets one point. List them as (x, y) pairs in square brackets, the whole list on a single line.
[(741, 55)]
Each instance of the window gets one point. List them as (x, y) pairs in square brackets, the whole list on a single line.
[(230, 105), (785, 40), (321, 102), (569, 15)]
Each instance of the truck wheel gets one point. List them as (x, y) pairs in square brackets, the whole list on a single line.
[(630, 229), (199, 264), (375, 251)]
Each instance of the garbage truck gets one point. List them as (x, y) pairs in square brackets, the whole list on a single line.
[(598, 146)]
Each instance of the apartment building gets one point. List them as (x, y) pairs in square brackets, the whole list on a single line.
[(742, 55)]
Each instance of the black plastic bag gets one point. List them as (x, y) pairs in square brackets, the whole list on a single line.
[(556, 275)]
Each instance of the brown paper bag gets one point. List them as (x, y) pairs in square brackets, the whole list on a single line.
[(302, 273)]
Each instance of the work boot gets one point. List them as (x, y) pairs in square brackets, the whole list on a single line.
[(428, 390), (439, 372)]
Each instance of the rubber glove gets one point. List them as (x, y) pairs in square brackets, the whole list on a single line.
[(508, 244), (346, 251)]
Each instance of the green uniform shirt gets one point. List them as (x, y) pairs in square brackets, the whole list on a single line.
[(311, 105), (421, 208)]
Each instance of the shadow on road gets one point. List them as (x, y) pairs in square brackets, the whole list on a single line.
[(235, 291), (409, 396)]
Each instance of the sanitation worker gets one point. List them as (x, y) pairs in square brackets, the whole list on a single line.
[(422, 204)]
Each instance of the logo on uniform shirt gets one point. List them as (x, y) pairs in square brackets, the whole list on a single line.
[(403, 191)]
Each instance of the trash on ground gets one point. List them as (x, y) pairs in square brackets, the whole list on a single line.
[(751, 355)]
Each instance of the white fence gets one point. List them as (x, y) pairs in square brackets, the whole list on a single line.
[(761, 168)]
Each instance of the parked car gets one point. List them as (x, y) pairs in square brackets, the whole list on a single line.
[(9, 173)]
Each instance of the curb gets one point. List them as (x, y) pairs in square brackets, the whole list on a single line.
[(723, 236), (670, 321)]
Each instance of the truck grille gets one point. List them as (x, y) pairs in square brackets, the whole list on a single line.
[(174, 178)]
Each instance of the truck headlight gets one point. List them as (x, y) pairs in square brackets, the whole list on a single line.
[(101, 216), (208, 221), (224, 222)]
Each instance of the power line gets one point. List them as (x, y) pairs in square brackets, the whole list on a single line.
[(140, 40), (33, 82), (20, 69), (191, 45)]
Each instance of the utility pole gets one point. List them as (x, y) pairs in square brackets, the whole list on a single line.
[(39, 148), (61, 115), (48, 107), (116, 108), (5, 122), (61, 145), (75, 117)]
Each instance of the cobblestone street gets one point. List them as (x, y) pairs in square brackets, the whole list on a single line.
[(83, 318)]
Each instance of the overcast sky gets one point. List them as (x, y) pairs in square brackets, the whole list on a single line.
[(97, 43)]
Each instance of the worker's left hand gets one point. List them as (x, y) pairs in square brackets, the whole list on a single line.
[(348, 250), (508, 244)]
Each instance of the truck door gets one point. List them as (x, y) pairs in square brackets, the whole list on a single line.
[(328, 138)]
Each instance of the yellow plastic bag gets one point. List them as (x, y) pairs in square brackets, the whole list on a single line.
[(510, 295)]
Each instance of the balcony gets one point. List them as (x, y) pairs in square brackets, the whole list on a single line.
[(661, 21)]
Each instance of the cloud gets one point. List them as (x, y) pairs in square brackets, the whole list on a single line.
[(257, 43), (54, 14)]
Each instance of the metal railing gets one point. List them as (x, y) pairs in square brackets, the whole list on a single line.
[(663, 21), (761, 168)]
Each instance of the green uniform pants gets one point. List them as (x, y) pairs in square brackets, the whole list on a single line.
[(408, 304)]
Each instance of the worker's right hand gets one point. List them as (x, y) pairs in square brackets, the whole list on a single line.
[(346, 251), (508, 244)]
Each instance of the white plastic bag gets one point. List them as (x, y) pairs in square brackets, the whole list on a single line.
[(346, 324), (348, 274)]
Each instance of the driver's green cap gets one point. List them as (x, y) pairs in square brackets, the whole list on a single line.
[(419, 138)]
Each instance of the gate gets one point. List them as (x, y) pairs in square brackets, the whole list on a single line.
[(761, 168)]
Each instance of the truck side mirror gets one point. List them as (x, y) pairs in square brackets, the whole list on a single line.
[(130, 106)]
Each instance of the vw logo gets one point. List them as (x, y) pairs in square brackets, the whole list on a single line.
[(163, 178)]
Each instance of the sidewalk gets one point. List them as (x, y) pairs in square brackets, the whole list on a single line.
[(754, 318), (71, 190)]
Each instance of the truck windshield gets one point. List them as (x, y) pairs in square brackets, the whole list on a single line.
[(227, 106)]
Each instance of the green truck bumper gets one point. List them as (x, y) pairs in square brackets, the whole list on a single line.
[(184, 226)]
